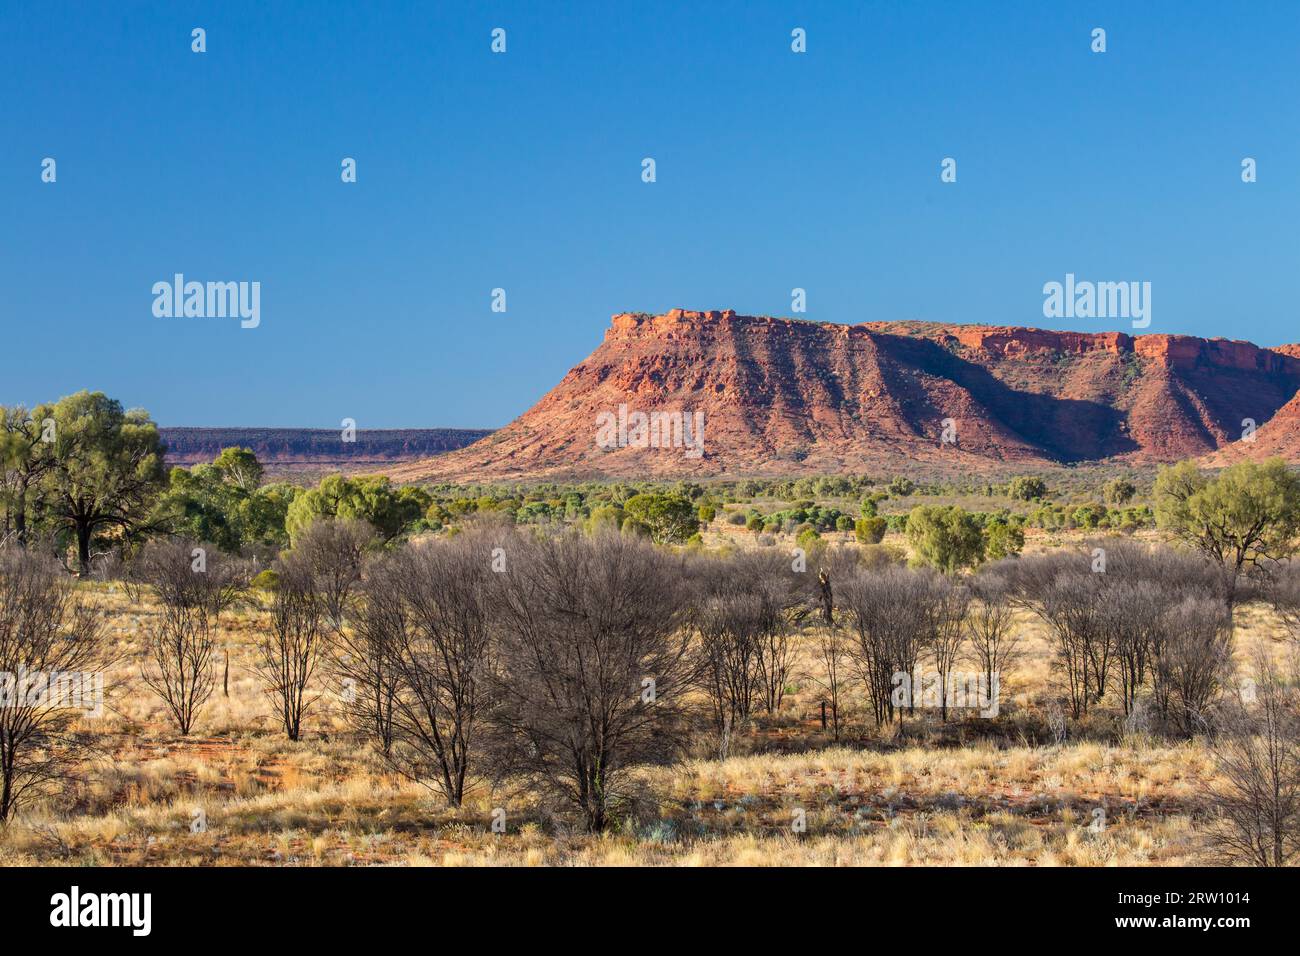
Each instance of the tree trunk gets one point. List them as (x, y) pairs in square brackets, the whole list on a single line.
[(20, 516), (83, 547)]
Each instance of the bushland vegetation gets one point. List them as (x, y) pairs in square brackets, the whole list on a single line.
[(563, 656)]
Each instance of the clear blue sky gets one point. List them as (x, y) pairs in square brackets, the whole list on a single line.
[(522, 171)]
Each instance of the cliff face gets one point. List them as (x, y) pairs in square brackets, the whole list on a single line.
[(289, 448), (781, 396), (1279, 437)]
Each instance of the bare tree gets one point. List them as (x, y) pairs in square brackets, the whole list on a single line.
[(424, 631), (772, 592), (892, 619), (1131, 614), (52, 650), (1284, 593), (833, 652), (594, 666), (332, 551), (1109, 606), (948, 604), (728, 672), (1257, 749), (289, 652), (193, 583), (743, 615), (833, 646), (1193, 662), (990, 631), (364, 656)]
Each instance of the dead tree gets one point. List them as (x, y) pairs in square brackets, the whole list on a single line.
[(423, 642), (1257, 749), (594, 666), (193, 583), (990, 632), (1193, 663), (332, 552), (833, 653), (363, 658), (891, 617), (53, 654), (948, 602), (287, 654)]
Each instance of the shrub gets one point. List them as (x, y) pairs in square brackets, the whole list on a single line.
[(945, 537), (669, 518), (1027, 487), (266, 580), (633, 528), (902, 487), (1002, 540), (1119, 491), (870, 530)]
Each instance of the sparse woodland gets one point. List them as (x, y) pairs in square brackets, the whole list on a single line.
[(360, 673)]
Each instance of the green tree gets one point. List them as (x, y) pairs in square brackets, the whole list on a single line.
[(669, 517), (240, 467), (1089, 516), (1119, 491), (225, 503), (604, 518), (263, 514), (391, 511), (1027, 487), (1002, 540), (870, 530), (901, 487), (200, 505), (108, 468), (945, 537), (26, 455), (1245, 519)]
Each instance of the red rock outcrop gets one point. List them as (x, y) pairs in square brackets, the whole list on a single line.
[(1279, 437), (785, 396)]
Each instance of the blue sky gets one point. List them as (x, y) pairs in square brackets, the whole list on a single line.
[(522, 171)]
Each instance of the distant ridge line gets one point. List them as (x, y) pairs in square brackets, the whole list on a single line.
[(192, 445)]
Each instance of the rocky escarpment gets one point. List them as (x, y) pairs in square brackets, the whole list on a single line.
[(784, 396)]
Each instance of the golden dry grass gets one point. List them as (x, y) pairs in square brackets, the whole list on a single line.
[(891, 800)]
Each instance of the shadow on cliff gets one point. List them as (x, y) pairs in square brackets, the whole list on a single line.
[(1066, 429)]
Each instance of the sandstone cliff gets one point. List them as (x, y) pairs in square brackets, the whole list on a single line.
[(784, 396)]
